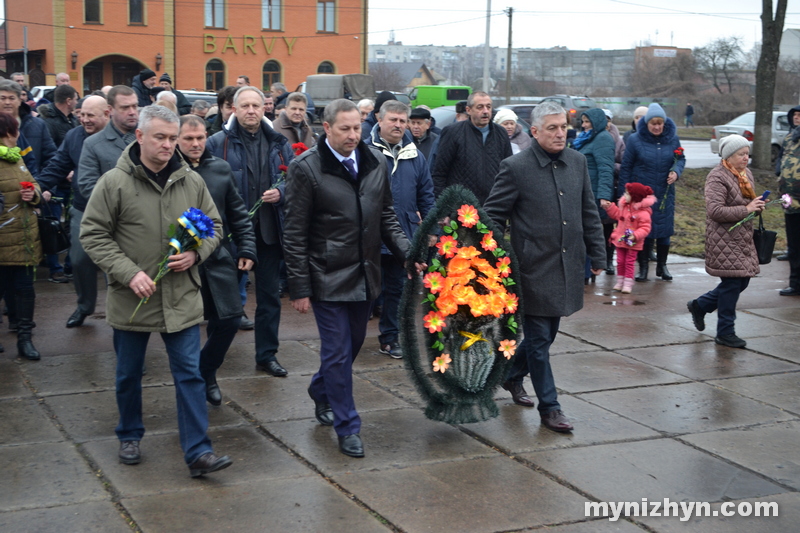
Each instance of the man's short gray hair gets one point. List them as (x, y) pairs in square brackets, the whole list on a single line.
[(278, 86), (366, 102), (332, 110), (471, 97), (393, 106), (245, 89), (11, 87), (544, 109), (151, 112), (168, 96), (297, 97), (200, 105)]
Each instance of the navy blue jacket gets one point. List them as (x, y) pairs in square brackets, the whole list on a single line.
[(65, 161), (648, 160), (410, 179), (227, 145), (38, 135)]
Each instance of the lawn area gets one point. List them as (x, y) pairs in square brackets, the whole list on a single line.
[(690, 211)]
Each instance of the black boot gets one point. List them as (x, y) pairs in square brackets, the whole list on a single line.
[(25, 348), (662, 251), (644, 258)]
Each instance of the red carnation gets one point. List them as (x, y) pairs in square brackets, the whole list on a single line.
[(283, 168), (27, 186), (299, 148), (679, 151)]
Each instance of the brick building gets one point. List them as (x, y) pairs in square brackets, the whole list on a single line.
[(203, 45)]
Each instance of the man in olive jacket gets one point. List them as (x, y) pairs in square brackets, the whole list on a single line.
[(124, 231), (547, 195), (338, 210)]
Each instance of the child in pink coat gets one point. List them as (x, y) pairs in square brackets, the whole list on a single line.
[(633, 225)]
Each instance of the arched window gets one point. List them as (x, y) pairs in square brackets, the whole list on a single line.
[(215, 75), (271, 74), (326, 67)]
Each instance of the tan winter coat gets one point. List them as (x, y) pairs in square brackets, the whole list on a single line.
[(19, 228), (124, 231), (729, 254)]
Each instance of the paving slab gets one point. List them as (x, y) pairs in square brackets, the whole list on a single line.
[(392, 439), (163, 469), (99, 517), (790, 315), (787, 520), (588, 371), (616, 334), (596, 526), (708, 360), (780, 390), (518, 429), (566, 344), (748, 324), (25, 422), (92, 372), (652, 469), (304, 505), (398, 382), (270, 400), (369, 358), (94, 415), (686, 408), (783, 346), (46, 475), (476, 495), (770, 450), (11, 381), (295, 356)]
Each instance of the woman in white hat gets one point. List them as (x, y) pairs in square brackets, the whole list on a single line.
[(518, 137)]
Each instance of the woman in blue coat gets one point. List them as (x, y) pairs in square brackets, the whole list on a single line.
[(651, 159), (598, 146)]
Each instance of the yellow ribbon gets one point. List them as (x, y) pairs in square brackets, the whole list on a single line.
[(472, 338)]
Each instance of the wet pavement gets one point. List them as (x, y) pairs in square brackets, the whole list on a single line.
[(660, 411)]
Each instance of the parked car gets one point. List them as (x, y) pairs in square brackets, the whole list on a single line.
[(575, 105), (37, 92), (192, 95), (523, 111), (744, 125)]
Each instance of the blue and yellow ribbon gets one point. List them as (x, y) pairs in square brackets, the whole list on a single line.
[(183, 221)]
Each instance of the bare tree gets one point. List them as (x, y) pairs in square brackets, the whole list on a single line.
[(386, 77), (771, 33), (719, 59), (662, 77)]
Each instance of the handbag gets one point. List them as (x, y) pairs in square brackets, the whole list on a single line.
[(764, 241), (52, 234)]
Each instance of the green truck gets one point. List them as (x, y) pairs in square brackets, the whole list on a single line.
[(435, 96)]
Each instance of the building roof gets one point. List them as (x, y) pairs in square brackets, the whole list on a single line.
[(406, 71)]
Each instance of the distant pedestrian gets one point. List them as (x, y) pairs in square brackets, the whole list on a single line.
[(365, 107), (689, 115), (182, 103), (143, 84), (789, 183), (419, 124), (516, 135), (638, 113), (730, 252), (292, 124)]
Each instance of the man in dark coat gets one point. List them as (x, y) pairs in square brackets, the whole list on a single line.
[(215, 122), (338, 210), (59, 116), (143, 84), (256, 154), (427, 141), (470, 152), (222, 305), (183, 105), (547, 195)]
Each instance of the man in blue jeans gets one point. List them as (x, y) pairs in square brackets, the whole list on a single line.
[(124, 231)]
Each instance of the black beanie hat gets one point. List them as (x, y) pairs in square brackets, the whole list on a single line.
[(165, 77), (146, 74), (383, 97)]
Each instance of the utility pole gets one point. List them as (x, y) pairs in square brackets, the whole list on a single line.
[(510, 13), (486, 48), (25, 53)]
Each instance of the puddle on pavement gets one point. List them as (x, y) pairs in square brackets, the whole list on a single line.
[(624, 302)]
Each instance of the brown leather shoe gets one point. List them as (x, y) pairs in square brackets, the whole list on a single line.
[(556, 421), (518, 393), (208, 463)]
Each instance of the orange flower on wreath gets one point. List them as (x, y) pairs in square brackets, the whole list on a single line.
[(447, 246), (512, 302), (433, 281), (508, 348), (504, 266), (441, 363), (433, 321), (468, 216), (488, 243), (468, 252)]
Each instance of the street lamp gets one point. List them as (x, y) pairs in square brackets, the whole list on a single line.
[(74, 59), (158, 61)]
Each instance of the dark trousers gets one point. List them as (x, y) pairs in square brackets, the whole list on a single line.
[(268, 300), (54, 208), (183, 349), (220, 334), (393, 277), (83, 268), (533, 356), (342, 327), (793, 244), (722, 299)]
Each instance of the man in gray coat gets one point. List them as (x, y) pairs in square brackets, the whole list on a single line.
[(547, 195)]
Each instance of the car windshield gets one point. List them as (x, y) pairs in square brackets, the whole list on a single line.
[(748, 119)]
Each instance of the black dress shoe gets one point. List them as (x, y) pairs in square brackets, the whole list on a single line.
[(783, 257), (518, 393), (208, 463), (246, 324), (322, 410), (789, 291), (213, 394), (698, 316), (129, 452), (351, 445), (731, 341), (76, 319), (556, 421), (273, 368)]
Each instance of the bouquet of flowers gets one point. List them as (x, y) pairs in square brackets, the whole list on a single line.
[(469, 304), (193, 226), (628, 238), (785, 201), (677, 155)]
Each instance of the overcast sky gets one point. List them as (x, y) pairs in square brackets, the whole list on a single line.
[(576, 24)]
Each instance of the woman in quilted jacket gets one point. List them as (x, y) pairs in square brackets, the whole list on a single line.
[(633, 226), (730, 253)]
